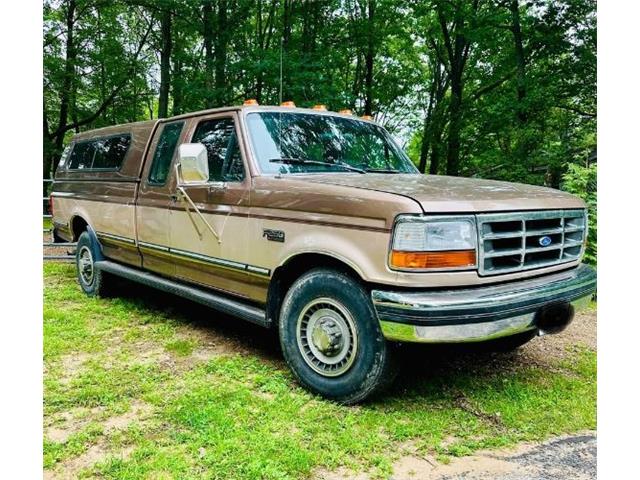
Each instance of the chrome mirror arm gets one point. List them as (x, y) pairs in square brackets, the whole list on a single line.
[(185, 196)]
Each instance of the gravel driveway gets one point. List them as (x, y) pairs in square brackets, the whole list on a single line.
[(572, 457)]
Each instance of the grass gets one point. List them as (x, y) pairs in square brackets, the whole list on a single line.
[(214, 411)]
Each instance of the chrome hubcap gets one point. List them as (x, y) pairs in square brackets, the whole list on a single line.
[(327, 337), (85, 265)]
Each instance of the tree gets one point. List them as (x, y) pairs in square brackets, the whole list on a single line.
[(502, 89)]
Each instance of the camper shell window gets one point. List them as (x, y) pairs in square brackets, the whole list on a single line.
[(101, 154)]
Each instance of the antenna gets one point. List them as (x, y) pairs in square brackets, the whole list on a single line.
[(280, 102), (281, 49)]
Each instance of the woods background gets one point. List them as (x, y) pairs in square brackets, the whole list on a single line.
[(495, 89)]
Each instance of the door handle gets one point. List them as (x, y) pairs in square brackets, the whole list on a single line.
[(217, 187)]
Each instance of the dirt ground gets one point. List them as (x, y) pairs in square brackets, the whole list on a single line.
[(570, 457)]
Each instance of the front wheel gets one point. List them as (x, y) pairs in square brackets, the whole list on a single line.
[(331, 338)]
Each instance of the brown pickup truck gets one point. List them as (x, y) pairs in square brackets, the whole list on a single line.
[(317, 224)]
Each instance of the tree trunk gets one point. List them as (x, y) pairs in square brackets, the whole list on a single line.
[(520, 60), (207, 11), (455, 125), (369, 57), (431, 119), (436, 147), (457, 46), (176, 77), (165, 65), (221, 53), (525, 142), (54, 143)]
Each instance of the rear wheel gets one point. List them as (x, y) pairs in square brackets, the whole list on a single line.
[(331, 338), (93, 281)]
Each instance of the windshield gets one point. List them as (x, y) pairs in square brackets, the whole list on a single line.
[(302, 143)]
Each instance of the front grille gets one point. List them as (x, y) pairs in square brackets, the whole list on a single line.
[(512, 242)]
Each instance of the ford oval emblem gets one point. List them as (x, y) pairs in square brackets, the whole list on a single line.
[(544, 241)]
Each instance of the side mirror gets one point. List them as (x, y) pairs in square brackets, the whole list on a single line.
[(194, 166)]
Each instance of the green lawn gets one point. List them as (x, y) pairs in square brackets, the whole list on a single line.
[(148, 386)]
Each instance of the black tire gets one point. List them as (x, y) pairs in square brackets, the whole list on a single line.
[(328, 309), (510, 343), (93, 281)]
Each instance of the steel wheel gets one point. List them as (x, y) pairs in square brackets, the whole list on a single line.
[(327, 337), (85, 265)]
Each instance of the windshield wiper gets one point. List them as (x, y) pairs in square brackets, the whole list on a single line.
[(304, 161), (382, 170)]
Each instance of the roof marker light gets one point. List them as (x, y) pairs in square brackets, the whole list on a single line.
[(288, 103), (346, 111), (366, 117), (320, 107), (250, 101)]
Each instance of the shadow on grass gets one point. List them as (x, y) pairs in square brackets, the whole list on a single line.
[(263, 342), (421, 366)]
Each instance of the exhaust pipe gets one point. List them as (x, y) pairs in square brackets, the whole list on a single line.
[(554, 318)]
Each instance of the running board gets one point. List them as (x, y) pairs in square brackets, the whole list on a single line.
[(214, 300)]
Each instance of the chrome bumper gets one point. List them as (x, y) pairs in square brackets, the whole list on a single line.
[(480, 313)]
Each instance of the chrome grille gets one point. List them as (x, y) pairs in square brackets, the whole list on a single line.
[(511, 242)]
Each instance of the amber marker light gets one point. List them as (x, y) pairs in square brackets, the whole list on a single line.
[(447, 259), (250, 101), (366, 117), (288, 103), (346, 111), (322, 108)]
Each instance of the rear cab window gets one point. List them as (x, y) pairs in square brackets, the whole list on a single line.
[(164, 153)]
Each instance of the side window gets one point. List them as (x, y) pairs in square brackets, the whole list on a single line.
[(164, 152), (110, 152), (219, 137), (81, 156)]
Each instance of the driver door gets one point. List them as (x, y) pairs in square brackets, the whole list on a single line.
[(223, 201)]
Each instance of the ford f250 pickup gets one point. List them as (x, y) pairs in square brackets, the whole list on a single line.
[(317, 224)]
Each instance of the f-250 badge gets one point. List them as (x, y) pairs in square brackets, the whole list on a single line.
[(273, 235)]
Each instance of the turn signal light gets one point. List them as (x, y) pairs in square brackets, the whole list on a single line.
[(447, 259), (319, 107), (346, 111), (288, 103), (250, 101)]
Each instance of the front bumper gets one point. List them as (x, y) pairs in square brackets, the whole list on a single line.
[(479, 313)]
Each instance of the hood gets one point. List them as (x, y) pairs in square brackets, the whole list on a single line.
[(443, 194)]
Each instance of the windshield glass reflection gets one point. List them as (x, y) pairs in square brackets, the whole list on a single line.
[(301, 143)]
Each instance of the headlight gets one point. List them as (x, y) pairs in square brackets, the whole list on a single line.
[(434, 243)]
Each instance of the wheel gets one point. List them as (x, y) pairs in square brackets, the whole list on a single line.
[(92, 281), (510, 343), (331, 338)]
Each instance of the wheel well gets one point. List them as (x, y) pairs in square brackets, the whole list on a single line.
[(78, 225), (284, 276)]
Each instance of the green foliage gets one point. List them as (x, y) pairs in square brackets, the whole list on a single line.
[(582, 181)]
